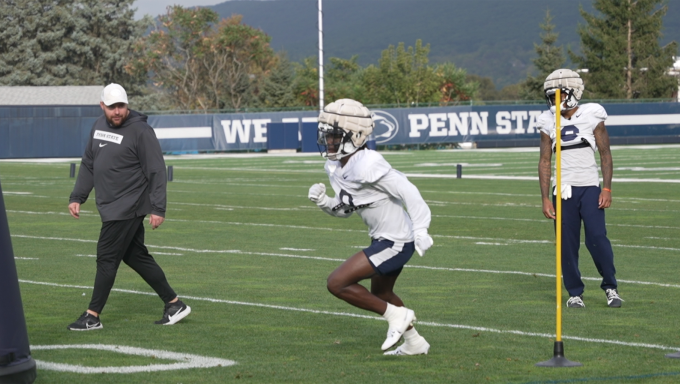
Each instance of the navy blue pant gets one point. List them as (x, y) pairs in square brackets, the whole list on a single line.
[(583, 206), (124, 241)]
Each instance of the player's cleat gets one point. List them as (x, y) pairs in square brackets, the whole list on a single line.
[(174, 312), (86, 322), (398, 326), (576, 302), (409, 348), (613, 299)]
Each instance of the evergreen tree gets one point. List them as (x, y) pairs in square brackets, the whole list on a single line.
[(277, 90), (67, 42), (102, 42), (550, 57), (621, 50), (31, 42)]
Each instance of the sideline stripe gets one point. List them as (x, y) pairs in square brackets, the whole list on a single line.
[(380, 318), (530, 178), (342, 260)]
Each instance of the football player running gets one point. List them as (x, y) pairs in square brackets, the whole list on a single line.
[(582, 133), (365, 183)]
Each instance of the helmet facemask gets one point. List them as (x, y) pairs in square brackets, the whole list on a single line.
[(334, 142), (344, 127), (570, 85)]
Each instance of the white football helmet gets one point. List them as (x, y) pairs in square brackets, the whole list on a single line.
[(344, 127), (570, 85)]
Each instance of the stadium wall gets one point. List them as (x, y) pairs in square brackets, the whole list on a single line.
[(62, 131)]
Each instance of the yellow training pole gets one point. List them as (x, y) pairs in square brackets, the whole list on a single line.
[(558, 359), (558, 212)]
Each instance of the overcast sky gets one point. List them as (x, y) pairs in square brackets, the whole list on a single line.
[(157, 7)]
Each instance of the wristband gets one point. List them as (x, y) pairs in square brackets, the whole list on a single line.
[(607, 189)]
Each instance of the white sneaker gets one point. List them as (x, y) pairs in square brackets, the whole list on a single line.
[(398, 326), (418, 347)]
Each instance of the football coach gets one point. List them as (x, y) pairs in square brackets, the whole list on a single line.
[(124, 163)]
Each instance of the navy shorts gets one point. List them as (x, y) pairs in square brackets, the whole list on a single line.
[(388, 257)]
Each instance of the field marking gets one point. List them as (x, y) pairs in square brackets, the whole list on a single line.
[(232, 251), (548, 221), (297, 249), (529, 178), (25, 258), (371, 317), (184, 360)]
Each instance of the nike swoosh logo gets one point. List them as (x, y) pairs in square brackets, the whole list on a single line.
[(344, 177), (103, 145)]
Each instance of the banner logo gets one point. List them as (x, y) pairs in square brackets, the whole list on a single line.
[(386, 126)]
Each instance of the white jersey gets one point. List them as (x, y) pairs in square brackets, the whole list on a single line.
[(579, 167), (378, 193)]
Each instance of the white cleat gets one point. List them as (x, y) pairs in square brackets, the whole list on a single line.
[(418, 347), (398, 326)]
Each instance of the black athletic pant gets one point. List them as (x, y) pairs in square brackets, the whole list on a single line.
[(124, 241), (583, 206)]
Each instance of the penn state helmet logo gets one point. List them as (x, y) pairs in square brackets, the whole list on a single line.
[(386, 126)]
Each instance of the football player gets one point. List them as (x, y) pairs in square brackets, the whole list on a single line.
[(582, 133), (365, 183)]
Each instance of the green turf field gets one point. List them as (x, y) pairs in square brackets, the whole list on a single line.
[(246, 249)]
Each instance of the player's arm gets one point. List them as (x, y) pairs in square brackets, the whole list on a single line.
[(602, 141), (317, 194), (544, 172), (397, 185)]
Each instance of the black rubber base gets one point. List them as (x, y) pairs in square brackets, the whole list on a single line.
[(558, 359)]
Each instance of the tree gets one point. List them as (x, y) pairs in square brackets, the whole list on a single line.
[(31, 40), (343, 79), (402, 77), (550, 58), (171, 54), (621, 50), (277, 88), (204, 65), (67, 42), (454, 86), (306, 86)]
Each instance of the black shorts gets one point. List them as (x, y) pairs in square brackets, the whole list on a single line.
[(388, 257)]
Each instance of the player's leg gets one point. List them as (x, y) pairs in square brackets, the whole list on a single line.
[(414, 343), (138, 258), (571, 241), (343, 283), (598, 244)]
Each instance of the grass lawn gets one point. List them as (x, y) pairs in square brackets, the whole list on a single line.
[(245, 248)]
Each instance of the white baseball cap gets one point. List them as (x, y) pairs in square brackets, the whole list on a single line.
[(114, 93)]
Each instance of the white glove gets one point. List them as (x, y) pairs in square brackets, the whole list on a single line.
[(566, 191), (317, 194), (423, 241)]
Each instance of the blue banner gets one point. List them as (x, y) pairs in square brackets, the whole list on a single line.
[(27, 132)]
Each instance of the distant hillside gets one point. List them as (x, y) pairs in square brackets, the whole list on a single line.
[(491, 38)]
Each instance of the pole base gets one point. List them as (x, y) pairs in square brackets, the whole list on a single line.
[(675, 355), (558, 359)]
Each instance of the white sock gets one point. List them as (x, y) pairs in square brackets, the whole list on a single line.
[(391, 312), (411, 335)]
